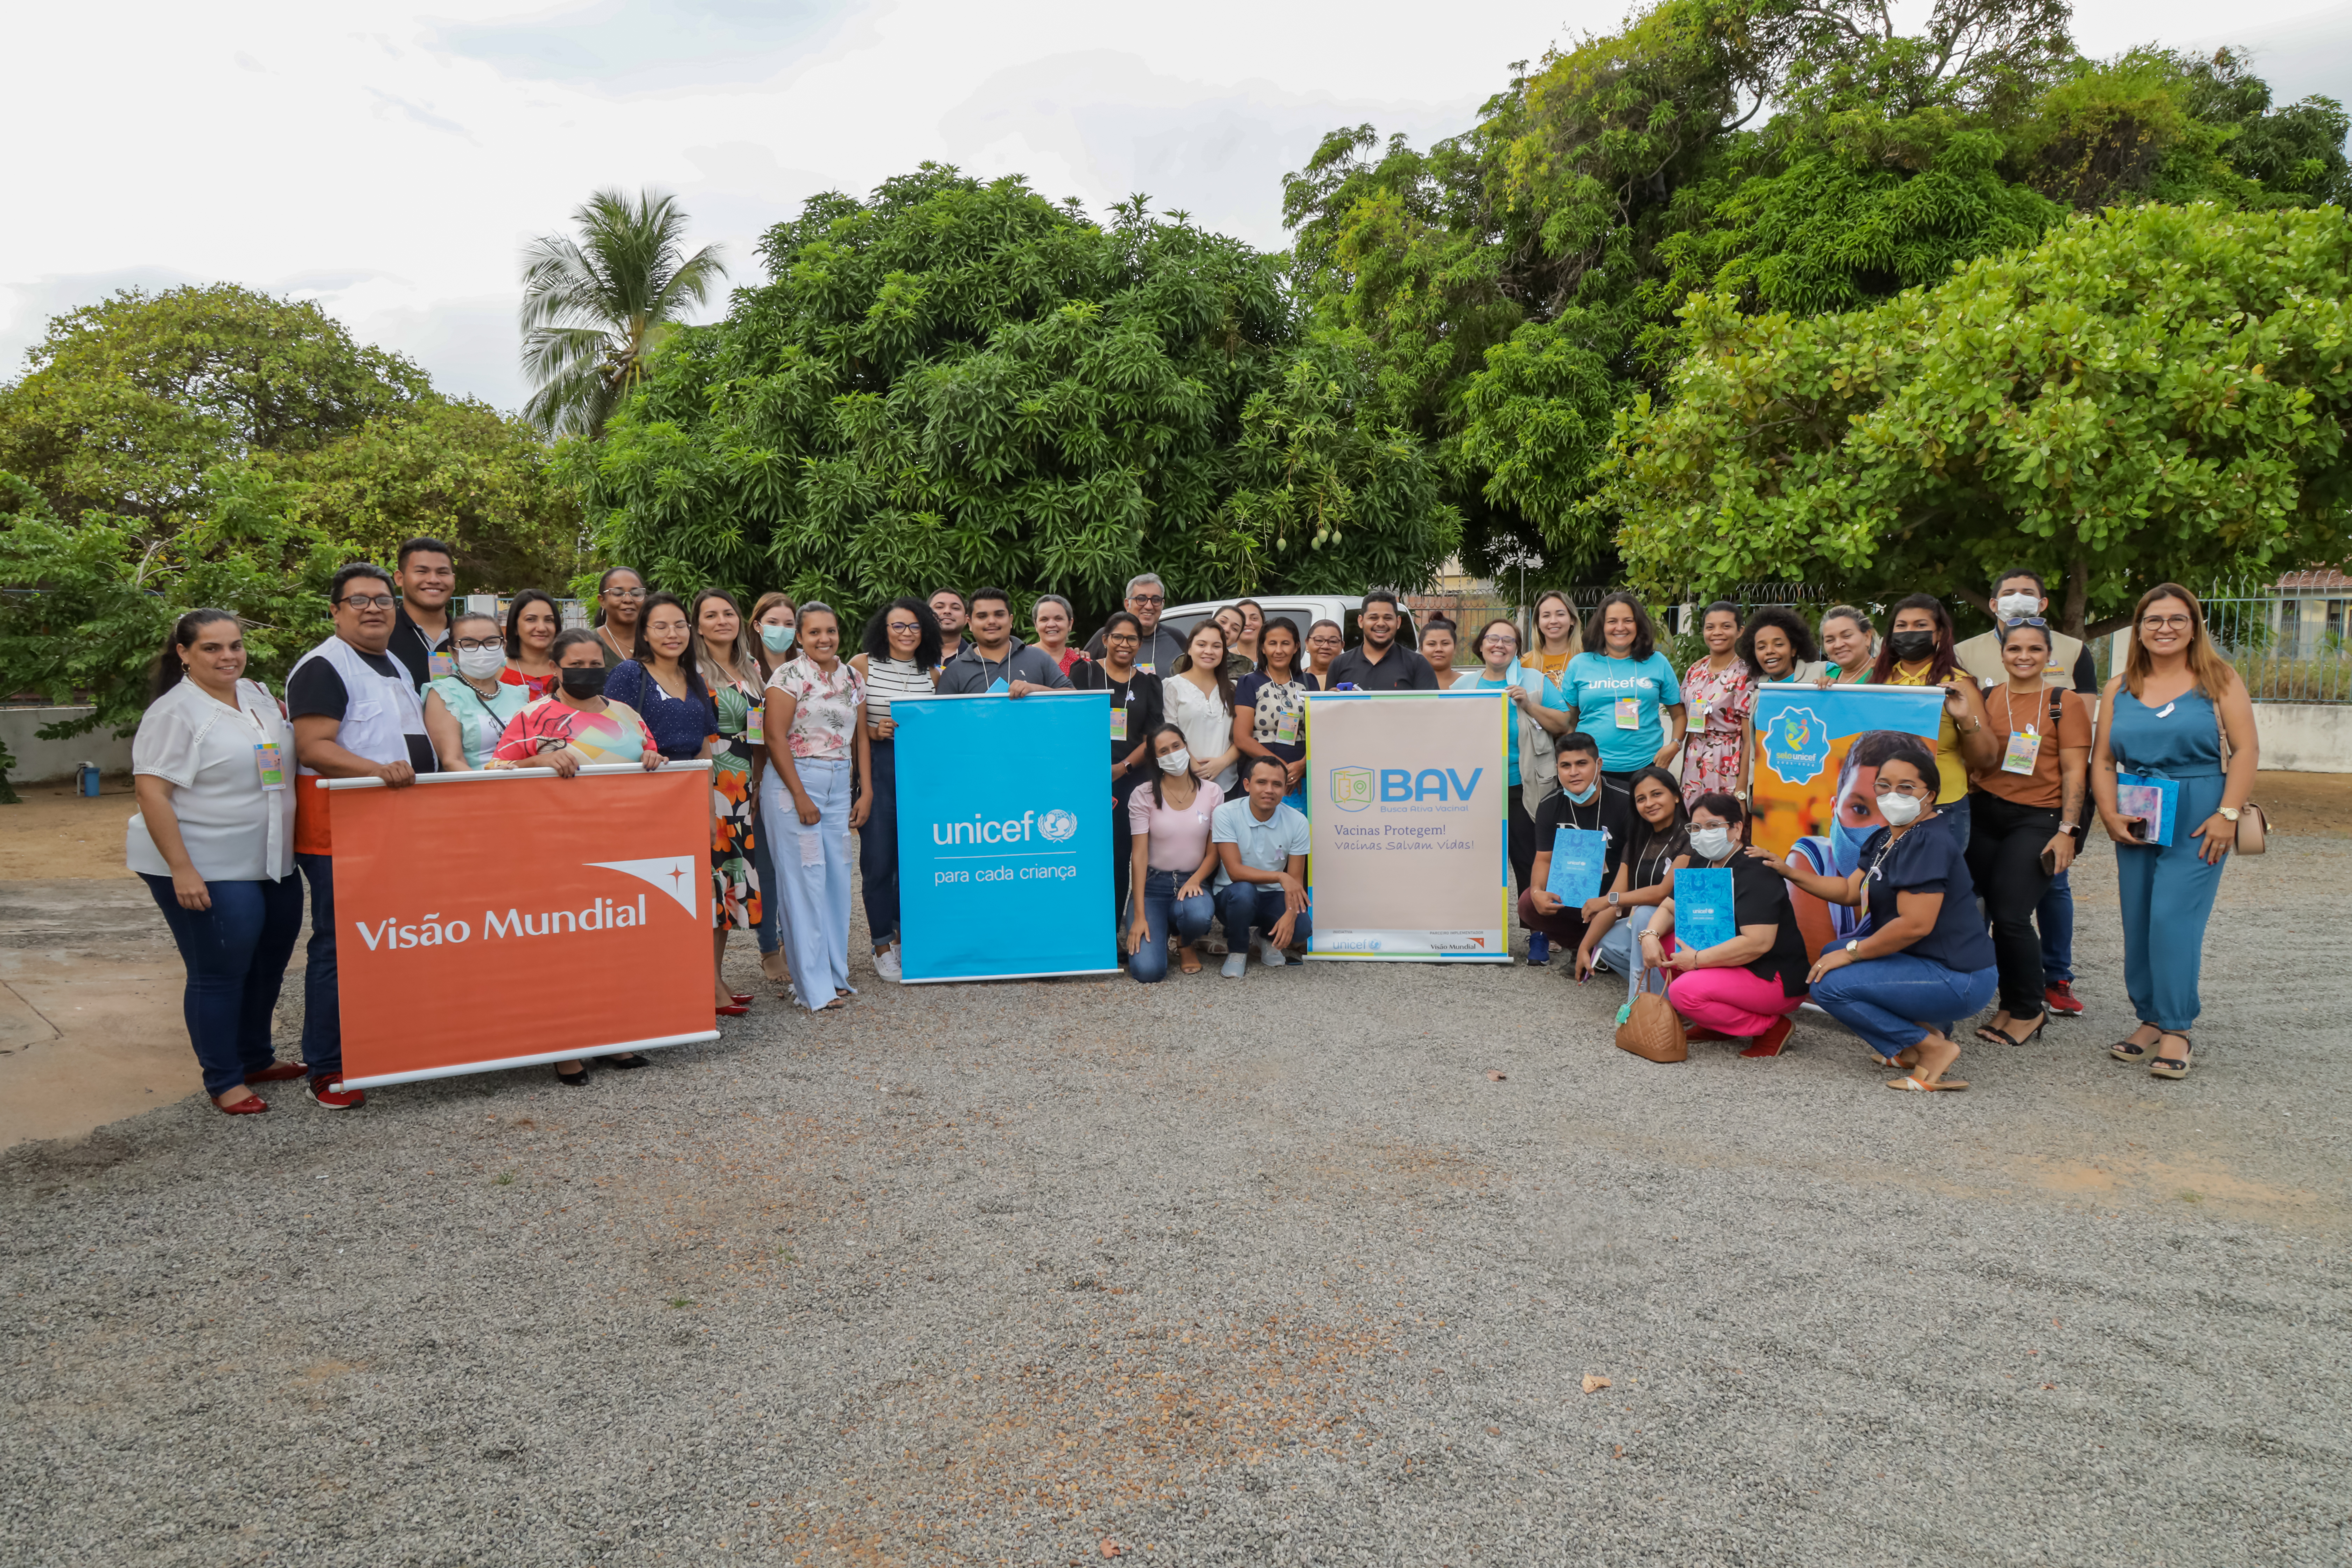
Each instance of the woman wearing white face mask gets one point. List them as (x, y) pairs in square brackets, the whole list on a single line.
[(466, 712), (773, 617), (1173, 860), (1748, 987), (1924, 960)]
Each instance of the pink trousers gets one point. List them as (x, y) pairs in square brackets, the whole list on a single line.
[(1729, 1001)]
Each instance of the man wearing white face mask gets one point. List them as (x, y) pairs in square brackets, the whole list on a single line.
[(466, 712), (2019, 595)]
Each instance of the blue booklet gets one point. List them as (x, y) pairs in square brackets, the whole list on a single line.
[(2153, 801), (1703, 917), (1579, 855)]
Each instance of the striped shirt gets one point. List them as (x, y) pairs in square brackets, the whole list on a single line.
[(890, 678)]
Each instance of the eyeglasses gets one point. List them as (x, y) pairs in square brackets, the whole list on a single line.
[(368, 601), (1147, 598), (472, 645), (2028, 621), (902, 625), (2169, 622), (1121, 636)]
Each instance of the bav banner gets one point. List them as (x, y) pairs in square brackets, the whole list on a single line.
[(1409, 855), (1004, 809), (1813, 792), (503, 919)]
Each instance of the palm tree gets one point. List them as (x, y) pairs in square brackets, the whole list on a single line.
[(594, 310)]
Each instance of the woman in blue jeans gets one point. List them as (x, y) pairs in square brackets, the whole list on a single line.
[(1173, 858), (2164, 718), (213, 840), (1922, 959)]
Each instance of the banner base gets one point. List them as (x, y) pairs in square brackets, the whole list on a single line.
[(1414, 957), (579, 1054), (1041, 974)]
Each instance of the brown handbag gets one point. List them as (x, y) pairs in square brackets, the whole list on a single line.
[(1652, 1029), (2254, 833)]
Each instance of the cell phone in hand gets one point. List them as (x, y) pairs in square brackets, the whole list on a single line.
[(2136, 826), (2050, 862)]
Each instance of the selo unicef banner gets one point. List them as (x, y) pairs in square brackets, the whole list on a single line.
[(1815, 788), (1004, 835), (1409, 853), (499, 920)]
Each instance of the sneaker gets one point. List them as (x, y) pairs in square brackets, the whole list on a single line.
[(2060, 998), (330, 1093), (1269, 954), (1236, 964), (885, 964), (1538, 950)]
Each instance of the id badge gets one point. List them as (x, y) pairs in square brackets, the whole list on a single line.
[(442, 662), (271, 764), (2024, 746), (1698, 717), (1629, 712), (1118, 722), (1146, 665), (755, 719), (1286, 728)]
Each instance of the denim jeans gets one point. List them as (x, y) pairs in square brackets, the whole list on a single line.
[(1162, 911), (322, 1003), (771, 929), (1893, 1002), (2055, 916), (812, 871), (236, 952), (1242, 905), (877, 850)]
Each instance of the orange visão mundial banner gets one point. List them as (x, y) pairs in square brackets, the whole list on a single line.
[(499, 920)]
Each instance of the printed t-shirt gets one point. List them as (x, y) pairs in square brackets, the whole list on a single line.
[(1597, 683), (825, 712), (616, 735), (2044, 786), (1178, 835), (1269, 702), (1931, 858), (532, 685)]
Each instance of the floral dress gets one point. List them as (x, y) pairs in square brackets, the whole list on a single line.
[(1719, 703), (616, 735), (734, 883)]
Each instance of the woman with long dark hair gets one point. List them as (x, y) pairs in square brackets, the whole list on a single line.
[(214, 841), (725, 657), (1919, 651), (772, 631), (817, 746), (901, 649), (532, 622), (1720, 692), (1644, 878), (1199, 699), (1168, 828), (1136, 711)]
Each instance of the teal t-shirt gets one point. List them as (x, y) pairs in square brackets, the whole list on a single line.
[(1597, 683), (1549, 696)]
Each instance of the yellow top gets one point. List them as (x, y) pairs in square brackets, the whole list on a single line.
[(1951, 773)]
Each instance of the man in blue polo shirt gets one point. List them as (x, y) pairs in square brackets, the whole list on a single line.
[(1261, 848)]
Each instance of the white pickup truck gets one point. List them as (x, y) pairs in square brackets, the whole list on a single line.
[(1305, 609)]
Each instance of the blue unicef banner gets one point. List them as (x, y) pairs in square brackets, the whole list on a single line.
[(1004, 835)]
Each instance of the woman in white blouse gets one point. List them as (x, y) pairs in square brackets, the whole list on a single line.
[(1198, 698), (214, 839)]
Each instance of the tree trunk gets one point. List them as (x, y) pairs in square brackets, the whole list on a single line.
[(2078, 594)]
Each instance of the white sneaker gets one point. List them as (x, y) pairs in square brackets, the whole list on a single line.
[(885, 964), (1269, 954), (1236, 964)]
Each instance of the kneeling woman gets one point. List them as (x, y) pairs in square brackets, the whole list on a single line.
[(1922, 959), (1745, 988)]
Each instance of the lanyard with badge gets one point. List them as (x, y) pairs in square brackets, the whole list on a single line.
[(2024, 745), (269, 757), (1119, 711)]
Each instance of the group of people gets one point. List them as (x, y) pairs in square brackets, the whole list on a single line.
[(797, 729)]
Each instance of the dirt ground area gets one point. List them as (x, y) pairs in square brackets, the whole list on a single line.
[(53, 832)]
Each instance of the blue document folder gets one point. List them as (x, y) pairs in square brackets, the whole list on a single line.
[(1703, 917), (2154, 800), (1579, 855)]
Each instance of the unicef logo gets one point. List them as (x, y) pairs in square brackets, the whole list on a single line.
[(1797, 746), (1057, 826)]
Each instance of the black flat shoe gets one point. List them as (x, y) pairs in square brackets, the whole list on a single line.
[(574, 1080), (627, 1061)]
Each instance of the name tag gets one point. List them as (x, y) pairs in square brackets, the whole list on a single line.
[(1629, 712), (442, 662), (1286, 728), (270, 763), (755, 724), (1698, 716), (2024, 746), (1118, 722), (1146, 665)]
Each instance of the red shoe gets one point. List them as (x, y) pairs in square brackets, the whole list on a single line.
[(2060, 998), (1772, 1040), (276, 1072), (330, 1094), (742, 998), (1701, 1031), (251, 1105), (737, 1011)]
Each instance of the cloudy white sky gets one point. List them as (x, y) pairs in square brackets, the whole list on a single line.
[(391, 162)]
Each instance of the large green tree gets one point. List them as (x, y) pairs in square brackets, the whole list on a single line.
[(962, 383), (2152, 394)]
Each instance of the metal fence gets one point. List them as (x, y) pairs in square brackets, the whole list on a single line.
[(2286, 644)]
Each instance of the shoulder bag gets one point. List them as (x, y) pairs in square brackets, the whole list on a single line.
[(2253, 825), (1652, 1030)]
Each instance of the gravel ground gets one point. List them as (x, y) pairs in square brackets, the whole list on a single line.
[(1272, 1271)]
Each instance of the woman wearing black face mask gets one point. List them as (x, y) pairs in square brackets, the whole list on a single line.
[(1918, 652)]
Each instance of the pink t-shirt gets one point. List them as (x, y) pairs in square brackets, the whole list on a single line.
[(1180, 836)]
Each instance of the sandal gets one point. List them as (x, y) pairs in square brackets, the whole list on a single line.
[(572, 1079), (1994, 1036), (1187, 962), (2131, 1050), (2171, 1066), (1911, 1084)]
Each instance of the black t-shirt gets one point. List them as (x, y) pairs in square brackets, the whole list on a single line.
[(1145, 710), (317, 691), (1760, 897), (413, 649), (1611, 813), (1400, 669), (1931, 858), (1652, 856)]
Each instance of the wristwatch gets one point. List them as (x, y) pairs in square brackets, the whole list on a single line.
[(2071, 829), (1854, 948), (1612, 900), (2226, 813)]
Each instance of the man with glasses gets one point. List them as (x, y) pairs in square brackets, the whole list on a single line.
[(1159, 649), (2019, 595), (355, 716), (420, 627)]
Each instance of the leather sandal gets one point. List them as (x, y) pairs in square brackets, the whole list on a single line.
[(1992, 1036), (2131, 1050), (2171, 1066)]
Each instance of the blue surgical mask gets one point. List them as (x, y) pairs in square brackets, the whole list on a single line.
[(778, 638), (1586, 798), (1845, 843)]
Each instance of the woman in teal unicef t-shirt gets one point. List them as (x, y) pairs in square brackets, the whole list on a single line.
[(1623, 695)]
